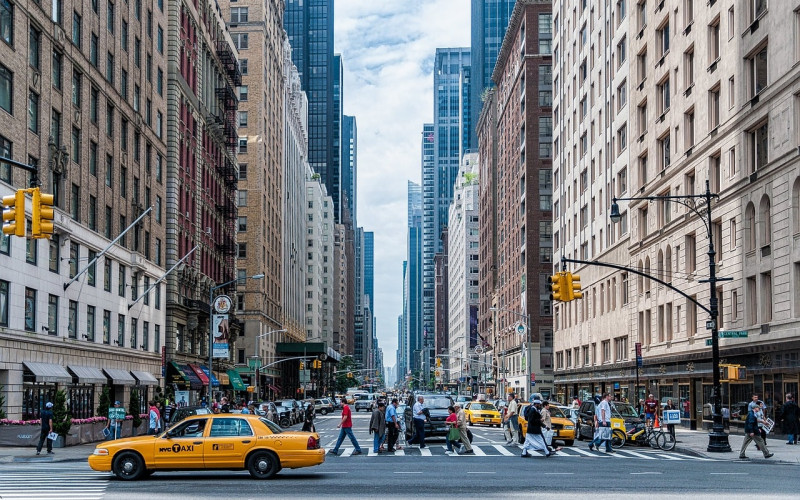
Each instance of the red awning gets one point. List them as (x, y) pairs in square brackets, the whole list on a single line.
[(273, 388), (200, 374)]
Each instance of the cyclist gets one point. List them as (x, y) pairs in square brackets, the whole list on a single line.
[(650, 410)]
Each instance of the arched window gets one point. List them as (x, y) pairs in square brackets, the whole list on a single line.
[(647, 272), (750, 227), (668, 264), (796, 206), (640, 280), (764, 222), (660, 265)]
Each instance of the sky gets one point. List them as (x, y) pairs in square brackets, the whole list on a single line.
[(388, 49)]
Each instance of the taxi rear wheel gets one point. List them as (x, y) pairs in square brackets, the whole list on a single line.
[(263, 465), (128, 466)]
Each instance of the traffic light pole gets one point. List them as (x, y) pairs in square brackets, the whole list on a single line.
[(35, 182)]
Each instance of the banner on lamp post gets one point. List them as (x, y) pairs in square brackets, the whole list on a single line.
[(221, 331)]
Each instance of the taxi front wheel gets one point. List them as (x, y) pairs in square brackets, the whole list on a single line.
[(263, 465), (128, 466)]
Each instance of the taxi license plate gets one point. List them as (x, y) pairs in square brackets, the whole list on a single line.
[(487, 419)]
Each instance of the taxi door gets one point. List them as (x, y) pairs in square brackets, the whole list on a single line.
[(229, 440), (182, 446)]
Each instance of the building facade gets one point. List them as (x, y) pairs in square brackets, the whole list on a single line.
[(723, 117), (412, 282), (82, 100), (521, 325)]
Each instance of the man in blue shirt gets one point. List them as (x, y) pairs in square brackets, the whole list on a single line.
[(392, 425), (419, 423), (47, 428)]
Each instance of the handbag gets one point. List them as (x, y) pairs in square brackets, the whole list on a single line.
[(605, 433), (454, 434)]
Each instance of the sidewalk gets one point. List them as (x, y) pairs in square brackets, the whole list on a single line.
[(79, 453), (696, 443)]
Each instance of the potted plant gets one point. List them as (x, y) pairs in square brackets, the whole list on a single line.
[(62, 420), (134, 408)]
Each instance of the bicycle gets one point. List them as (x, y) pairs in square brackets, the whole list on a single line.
[(656, 438)]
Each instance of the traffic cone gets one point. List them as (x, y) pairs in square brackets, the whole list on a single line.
[(656, 424)]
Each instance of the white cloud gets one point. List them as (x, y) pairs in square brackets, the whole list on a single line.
[(388, 49)]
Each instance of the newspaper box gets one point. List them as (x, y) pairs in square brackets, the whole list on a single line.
[(671, 417)]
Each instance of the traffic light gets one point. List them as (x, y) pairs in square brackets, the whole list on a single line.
[(42, 220), (558, 288), (438, 361), (14, 213), (349, 374), (574, 286), (316, 364), (302, 366)]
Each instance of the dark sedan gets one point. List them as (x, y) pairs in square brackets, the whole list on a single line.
[(435, 423)]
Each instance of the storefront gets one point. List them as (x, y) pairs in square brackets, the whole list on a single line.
[(185, 384), (237, 385)]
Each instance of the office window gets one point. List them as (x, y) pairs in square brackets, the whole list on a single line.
[(135, 333), (690, 246), (90, 323), (7, 21), (31, 249), (109, 170), (622, 51), (662, 39), (622, 95), (688, 69), (92, 219), (6, 89), (91, 274), (34, 48), (108, 226), (109, 119), (713, 108), (93, 48), (688, 130), (72, 320), (33, 112), (622, 138), (688, 14), (121, 276), (713, 43), (160, 40), (757, 71), (124, 35), (641, 115), (664, 96), (107, 274), (241, 41), (757, 8), (664, 154), (239, 14), (757, 143), (30, 309), (106, 326), (643, 171), (642, 70)]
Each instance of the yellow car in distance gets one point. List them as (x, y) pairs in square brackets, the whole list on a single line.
[(483, 413), (211, 442), (563, 428)]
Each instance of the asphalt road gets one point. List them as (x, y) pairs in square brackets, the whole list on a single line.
[(637, 473)]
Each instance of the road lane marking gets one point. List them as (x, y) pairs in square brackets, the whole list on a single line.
[(406, 472), (481, 472), (668, 457), (399, 453), (332, 472), (425, 452), (347, 452), (587, 453), (503, 450), (729, 473), (651, 473), (559, 473), (478, 452), (637, 454)]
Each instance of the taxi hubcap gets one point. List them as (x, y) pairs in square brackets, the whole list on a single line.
[(263, 465), (128, 467)]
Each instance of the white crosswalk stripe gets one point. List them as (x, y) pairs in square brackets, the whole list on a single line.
[(21, 485), (497, 450)]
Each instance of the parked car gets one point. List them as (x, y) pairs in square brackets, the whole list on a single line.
[(323, 406), (366, 402), (182, 412)]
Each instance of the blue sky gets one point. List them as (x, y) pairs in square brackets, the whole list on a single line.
[(388, 48)]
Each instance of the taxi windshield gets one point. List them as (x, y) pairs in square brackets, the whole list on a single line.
[(272, 426), (440, 403), (556, 412), (624, 409), (482, 406)]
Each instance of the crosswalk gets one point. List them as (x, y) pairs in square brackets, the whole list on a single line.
[(27, 485), (498, 450)]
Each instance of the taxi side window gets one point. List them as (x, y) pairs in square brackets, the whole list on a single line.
[(230, 427), (190, 429)]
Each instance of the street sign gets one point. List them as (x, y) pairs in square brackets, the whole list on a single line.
[(733, 334), (708, 342), (116, 413), (521, 329)]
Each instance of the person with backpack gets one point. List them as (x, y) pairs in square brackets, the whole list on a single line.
[(752, 433)]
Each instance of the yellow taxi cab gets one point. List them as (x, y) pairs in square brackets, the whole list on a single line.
[(563, 428), (481, 412), (208, 442)]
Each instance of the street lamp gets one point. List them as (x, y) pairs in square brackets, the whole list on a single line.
[(528, 360), (211, 323), (257, 355), (717, 438)]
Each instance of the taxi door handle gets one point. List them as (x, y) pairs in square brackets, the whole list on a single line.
[(197, 442), (246, 441)]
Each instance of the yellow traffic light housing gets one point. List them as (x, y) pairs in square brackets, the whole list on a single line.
[(302, 366), (557, 288), (438, 361), (574, 286), (349, 374), (42, 220), (14, 214)]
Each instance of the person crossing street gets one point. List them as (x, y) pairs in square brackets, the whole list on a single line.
[(512, 419), (346, 429)]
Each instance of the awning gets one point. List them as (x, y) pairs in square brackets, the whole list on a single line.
[(46, 372), (273, 388), (87, 374), (144, 378), (185, 376), (211, 377), (223, 378), (236, 381), (200, 374), (120, 377)]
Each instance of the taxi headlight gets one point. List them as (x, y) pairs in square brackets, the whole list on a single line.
[(569, 427), (101, 451)]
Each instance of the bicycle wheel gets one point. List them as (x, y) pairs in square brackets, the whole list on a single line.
[(617, 439), (665, 441), (652, 439)]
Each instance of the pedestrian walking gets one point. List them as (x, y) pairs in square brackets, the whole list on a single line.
[(463, 432), (47, 428), (377, 426), (308, 421), (512, 419), (419, 413), (547, 427), (346, 429), (789, 419), (602, 421), (114, 425), (392, 426), (453, 434), (751, 433), (534, 440), (155, 419)]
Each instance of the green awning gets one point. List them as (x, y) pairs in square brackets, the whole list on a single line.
[(236, 381)]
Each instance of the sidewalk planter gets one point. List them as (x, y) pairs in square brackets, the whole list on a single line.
[(82, 431), (59, 443), (19, 435)]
